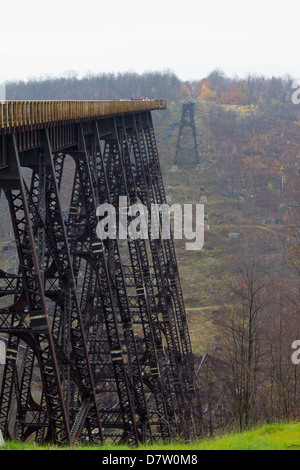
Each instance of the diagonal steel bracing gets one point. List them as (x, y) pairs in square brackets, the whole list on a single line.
[(98, 342)]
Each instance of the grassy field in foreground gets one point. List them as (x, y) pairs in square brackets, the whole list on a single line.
[(268, 437)]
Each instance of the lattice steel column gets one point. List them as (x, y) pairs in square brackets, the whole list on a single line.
[(175, 285), (152, 354), (187, 122), (35, 322)]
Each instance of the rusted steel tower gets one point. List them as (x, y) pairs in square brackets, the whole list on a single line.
[(186, 135), (98, 347)]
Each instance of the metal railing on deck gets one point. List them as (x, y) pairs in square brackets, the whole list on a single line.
[(26, 113)]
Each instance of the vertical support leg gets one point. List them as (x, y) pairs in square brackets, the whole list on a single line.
[(36, 305), (75, 348)]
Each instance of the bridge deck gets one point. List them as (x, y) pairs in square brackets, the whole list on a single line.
[(16, 114)]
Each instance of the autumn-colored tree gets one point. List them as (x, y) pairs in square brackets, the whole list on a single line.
[(204, 92), (232, 96), (199, 86), (207, 95)]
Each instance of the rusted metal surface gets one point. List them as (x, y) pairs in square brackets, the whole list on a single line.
[(37, 113)]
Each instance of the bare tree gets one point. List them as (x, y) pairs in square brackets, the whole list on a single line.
[(241, 327)]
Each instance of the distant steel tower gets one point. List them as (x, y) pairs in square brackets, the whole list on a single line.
[(187, 120)]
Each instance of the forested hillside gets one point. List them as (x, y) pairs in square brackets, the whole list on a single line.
[(99, 87), (242, 289)]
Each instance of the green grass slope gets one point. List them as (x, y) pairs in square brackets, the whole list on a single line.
[(268, 437)]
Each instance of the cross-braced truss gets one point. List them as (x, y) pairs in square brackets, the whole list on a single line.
[(98, 347)]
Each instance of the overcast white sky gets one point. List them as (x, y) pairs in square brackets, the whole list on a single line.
[(190, 37)]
